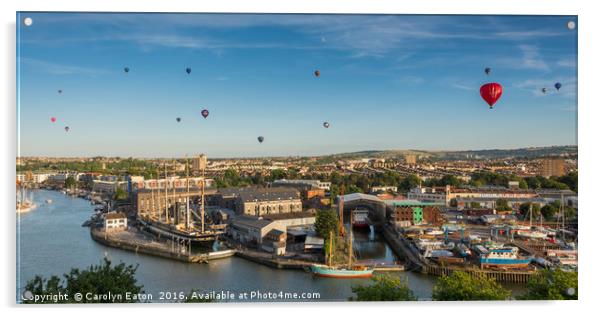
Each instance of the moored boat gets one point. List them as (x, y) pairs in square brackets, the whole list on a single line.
[(323, 270), (504, 257)]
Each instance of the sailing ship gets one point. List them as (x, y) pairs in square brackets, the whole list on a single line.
[(350, 271), (159, 222), (24, 202)]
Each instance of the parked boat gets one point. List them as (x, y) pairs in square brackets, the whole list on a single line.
[(323, 270), (504, 257), (348, 272), (360, 219), (532, 234), (49, 201)]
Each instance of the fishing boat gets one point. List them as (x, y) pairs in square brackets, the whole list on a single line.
[(504, 257), (342, 272)]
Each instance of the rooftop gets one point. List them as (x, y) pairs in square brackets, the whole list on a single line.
[(115, 215)]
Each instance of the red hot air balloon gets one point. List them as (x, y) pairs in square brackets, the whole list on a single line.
[(491, 92), (53, 119), (205, 113)]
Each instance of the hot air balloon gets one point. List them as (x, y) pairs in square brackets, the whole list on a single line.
[(260, 139), (188, 70), (53, 119), (126, 69), (491, 92), (326, 124), (178, 119), (557, 86), (544, 90), (487, 71), (317, 73), (205, 113), (60, 91), (66, 128)]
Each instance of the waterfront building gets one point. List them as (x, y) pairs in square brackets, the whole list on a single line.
[(252, 230), (115, 221), (257, 201), (260, 202), (148, 201), (109, 187), (274, 242), (415, 212)]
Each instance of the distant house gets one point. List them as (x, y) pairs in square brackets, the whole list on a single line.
[(115, 221)]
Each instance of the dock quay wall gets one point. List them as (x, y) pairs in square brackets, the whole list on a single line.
[(109, 239)]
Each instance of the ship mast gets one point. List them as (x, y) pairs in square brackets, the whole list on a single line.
[(350, 240), (341, 208), (173, 184), (187, 196), (152, 201), (330, 250), (203, 197), (166, 209)]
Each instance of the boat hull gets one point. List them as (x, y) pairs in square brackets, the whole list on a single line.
[(510, 263), (329, 272)]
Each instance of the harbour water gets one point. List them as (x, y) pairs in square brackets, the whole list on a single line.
[(51, 241)]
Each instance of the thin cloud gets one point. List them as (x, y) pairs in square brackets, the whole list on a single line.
[(410, 79), (61, 69), (463, 87), (532, 59)]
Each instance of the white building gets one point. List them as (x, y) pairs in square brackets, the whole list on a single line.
[(383, 188), (115, 221)]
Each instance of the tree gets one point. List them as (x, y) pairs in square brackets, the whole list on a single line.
[(571, 180), (326, 221), (524, 210), (502, 205), (70, 182), (461, 286), (120, 194), (449, 180), (409, 183), (552, 285), (549, 211), (99, 279), (383, 288)]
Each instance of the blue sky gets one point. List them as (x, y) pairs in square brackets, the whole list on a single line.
[(387, 82)]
